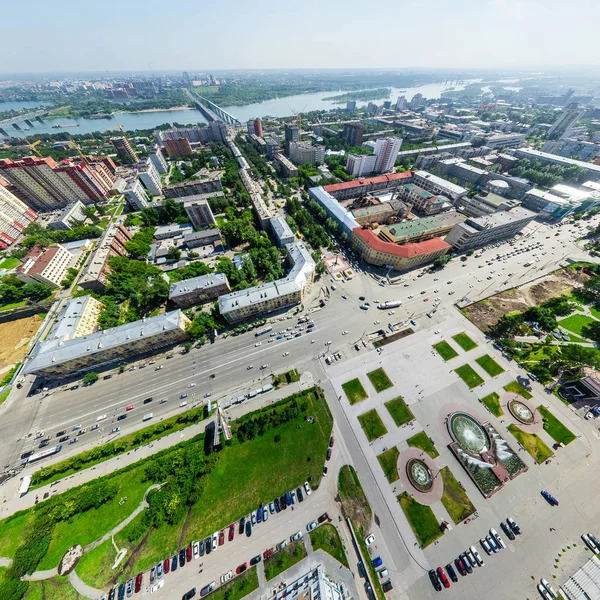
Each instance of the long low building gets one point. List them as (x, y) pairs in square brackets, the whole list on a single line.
[(198, 290), (592, 169), (418, 230), (274, 295), (51, 359), (378, 252), (359, 187)]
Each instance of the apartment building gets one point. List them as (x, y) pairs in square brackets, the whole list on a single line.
[(386, 151), (198, 290), (288, 168), (437, 185), (158, 159), (423, 201), (198, 210), (197, 239), (302, 153), (73, 214), (125, 150), (360, 165), (107, 347), (135, 193), (262, 211), (205, 185), (353, 134), (360, 187), (77, 318), (45, 265), (149, 176), (178, 146), (479, 231), (505, 140), (281, 231), (112, 243), (15, 215), (274, 295)]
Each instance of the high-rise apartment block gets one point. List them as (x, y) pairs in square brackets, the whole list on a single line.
[(15, 215), (353, 134), (303, 153), (135, 193), (158, 160), (567, 118), (360, 165), (48, 185), (125, 150), (292, 134), (149, 176), (401, 103), (351, 105), (386, 151), (258, 128), (178, 146)]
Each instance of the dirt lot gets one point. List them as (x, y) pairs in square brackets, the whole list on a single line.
[(485, 314), (15, 336)]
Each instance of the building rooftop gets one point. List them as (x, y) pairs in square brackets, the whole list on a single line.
[(173, 230), (47, 354), (334, 207), (404, 251), (422, 226), (196, 283), (373, 209), (37, 259), (358, 183), (457, 189), (531, 153), (67, 320), (498, 219), (280, 228)]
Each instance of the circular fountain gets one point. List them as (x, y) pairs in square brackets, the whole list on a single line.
[(419, 474), (521, 412), (468, 433)]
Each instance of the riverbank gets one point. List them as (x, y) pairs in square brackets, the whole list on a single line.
[(63, 113)]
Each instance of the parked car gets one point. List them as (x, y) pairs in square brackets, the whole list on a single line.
[(241, 568), (208, 544), (307, 488), (312, 525), (174, 563), (214, 541), (507, 530), (189, 551), (443, 578), (513, 525), (255, 560), (296, 536), (221, 537), (452, 573), (248, 529), (460, 566), (182, 557), (138, 582), (324, 517), (435, 582), (166, 566), (207, 589), (242, 525), (231, 533), (189, 594)]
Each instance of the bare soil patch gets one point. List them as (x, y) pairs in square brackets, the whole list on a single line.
[(15, 336)]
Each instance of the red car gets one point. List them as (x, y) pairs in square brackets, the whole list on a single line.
[(138, 582), (130, 407), (331, 441), (425, 299), (268, 553), (231, 532), (324, 517), (188, 553), (443, 577), (166, 565), (241, 568), (221, 537)]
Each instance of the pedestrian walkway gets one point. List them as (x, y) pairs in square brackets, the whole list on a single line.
[(83, 588)]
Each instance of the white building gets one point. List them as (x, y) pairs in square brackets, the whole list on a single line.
[(360, 165), (508, 140), (149, 177), (71, 214), (135, 193), (437, 185), (386, 151), (302, 153), (158, 160), (282, 231), (45, 265)]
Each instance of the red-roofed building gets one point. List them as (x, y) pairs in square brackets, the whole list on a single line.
[(359, 187), (378, 252)]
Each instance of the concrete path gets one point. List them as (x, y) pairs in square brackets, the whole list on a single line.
[(5, 562), (82, 588), (40, 575)]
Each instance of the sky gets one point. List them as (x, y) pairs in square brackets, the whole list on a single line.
[(197, 35)]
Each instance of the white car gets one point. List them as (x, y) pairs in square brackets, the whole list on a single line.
[(226, 577), (262, 367), (477, 556), (190, 385), (196, 550), (258, 344), (498, 539), (392, 312), (286, 354), (312, 525), (296, 536), (215, 540), (344, 332), (370, 539), (307, 488), (101, 417)]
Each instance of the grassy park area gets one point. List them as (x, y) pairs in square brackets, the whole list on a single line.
[(421, 519), (455, 499), (379, 380), (489, 365), (469, 376), (516, 388), (354, 391), (445, 350), (576, 323), (326, 537), (464, 341), (399, 411), (372, 425), (492, 402), (532, 443), (555, 429), (389, 463), (420, 440)]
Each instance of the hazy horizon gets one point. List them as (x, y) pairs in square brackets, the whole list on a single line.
[(145, 36)]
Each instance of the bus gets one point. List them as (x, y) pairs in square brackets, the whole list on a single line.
[(44, 453), (263, 331)]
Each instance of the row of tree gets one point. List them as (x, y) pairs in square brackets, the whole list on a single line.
[(36, 234)]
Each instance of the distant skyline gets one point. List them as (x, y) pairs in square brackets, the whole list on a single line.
[(145, 35)]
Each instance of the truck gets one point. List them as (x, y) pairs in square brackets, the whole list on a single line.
[(390, 304)]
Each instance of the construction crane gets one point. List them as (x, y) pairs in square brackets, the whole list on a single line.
[(33, 147), (298, 116)]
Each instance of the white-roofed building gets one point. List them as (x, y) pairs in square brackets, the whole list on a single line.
[(198, 290)]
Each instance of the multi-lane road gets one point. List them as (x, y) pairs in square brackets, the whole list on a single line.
[(221, 368)]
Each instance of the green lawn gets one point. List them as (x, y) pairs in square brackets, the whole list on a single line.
[(11, 530), (57, 588), (455, 499), (281, 561), (516, 388), (399, 411), (576, 323), (389, 463), (353, 499), (9, 263), (489, 365), (464, 341), (555, 428), (595, 312), (492, 401), (445, 350), (239, 587), (354, 391), (372, 425), (4, 394), (469, 376), (532, 443), (12, 305), (421, 519), (286, 378), (380, 380), (326, 537), (420, 440)]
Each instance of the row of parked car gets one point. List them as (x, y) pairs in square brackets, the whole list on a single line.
[(467, 561)]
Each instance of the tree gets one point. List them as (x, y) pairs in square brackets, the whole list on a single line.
[(90, 378), (36, 291), (592, 331), (441, 262), (139, 245), (477, 142), (173, 253)]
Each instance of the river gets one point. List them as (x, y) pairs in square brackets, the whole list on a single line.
[(278, 107)]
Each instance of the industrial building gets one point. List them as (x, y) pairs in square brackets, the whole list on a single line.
[(107, 347)]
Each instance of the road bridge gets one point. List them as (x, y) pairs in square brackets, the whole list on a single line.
[(210, 110), (27, 118)]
